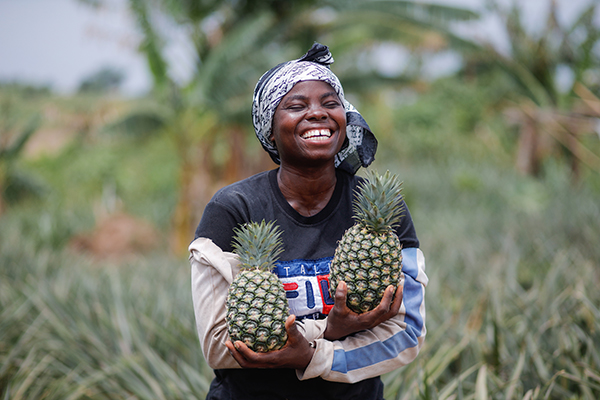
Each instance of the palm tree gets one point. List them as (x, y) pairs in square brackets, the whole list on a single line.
[(233, 43), (211, 111), (548, 118)]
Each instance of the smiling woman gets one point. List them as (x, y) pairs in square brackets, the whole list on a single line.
[(309, 126), (304, 122)]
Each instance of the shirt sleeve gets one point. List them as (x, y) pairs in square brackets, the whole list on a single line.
[(390, 345), (212, 273), (384, 348)]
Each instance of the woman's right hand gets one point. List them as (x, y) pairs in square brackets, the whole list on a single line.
[(296, 353), (342, 321)]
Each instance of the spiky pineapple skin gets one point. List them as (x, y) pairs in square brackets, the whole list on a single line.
[(256, 302), (369, 255), (256, 311), (368, 262)]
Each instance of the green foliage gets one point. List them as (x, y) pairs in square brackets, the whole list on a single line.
[(15, 185), (115, 169), (151, 45), (71, 329), (138, 124), (536, 57), (449, 118), (104, 80), (511, 301)]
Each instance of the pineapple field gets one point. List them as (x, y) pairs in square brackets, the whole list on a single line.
[(513, 258)]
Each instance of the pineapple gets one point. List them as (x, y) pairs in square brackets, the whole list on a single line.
[(257, 306), (368, 257)]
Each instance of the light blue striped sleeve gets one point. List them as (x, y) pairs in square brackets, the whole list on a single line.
[(390, 345)]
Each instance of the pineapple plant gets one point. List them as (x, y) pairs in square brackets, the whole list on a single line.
[(368, 257), (257, 306)]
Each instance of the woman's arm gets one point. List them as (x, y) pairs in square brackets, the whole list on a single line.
[(385, 347), (341, 322), (212, 273), (381, 349)]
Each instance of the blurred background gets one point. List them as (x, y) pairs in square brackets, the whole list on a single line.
[(119, 119)]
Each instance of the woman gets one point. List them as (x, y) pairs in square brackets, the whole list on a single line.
[(319, 140)]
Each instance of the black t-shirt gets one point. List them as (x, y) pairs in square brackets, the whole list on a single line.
[(258, 197), (303, 267)]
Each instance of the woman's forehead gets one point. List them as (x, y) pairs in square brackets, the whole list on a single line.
[(311, 87)]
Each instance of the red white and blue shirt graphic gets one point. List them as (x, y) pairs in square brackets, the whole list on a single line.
[(306, 283)]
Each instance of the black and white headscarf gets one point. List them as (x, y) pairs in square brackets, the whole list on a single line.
[(360, 145)]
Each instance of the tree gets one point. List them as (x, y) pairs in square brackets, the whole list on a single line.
[(104, 80), (234, 42), (548, 116), (211, 110)]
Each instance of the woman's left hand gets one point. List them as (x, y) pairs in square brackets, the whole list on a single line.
[(296, 353), (342, 321)]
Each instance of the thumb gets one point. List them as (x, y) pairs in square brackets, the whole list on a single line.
[(290, 325), (341, 292)]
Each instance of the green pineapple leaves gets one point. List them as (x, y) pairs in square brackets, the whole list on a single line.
[(377, 201), (257, 245)]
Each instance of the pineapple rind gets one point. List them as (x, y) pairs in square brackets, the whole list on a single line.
[(256, 304), (368, 278), (368, 257), (260, 325)]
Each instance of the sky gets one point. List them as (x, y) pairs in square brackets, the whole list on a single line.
[(61, 42)]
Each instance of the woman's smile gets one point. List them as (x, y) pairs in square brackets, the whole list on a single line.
[(309, 124), (317, 134)]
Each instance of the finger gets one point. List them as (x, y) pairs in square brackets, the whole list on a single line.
[(398, 299), (230, 346), (382, 308), (383, 311), (290, 322), (236, 354), (242, 348), (386, 300), (341, 292), (290, 327), (245, 351)]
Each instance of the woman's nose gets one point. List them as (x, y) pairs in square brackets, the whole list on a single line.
[(317, 112)]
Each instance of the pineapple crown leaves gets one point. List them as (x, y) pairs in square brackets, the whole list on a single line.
[(377, 202), (257, 245)]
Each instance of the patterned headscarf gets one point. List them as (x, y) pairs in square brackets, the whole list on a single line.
[(360, 145)]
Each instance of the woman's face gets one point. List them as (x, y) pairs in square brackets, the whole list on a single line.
[(309, 125)]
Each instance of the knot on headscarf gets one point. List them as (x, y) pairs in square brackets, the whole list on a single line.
[(360, 145), (318, 53)]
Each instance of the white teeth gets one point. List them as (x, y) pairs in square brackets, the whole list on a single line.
[(320, 134)]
